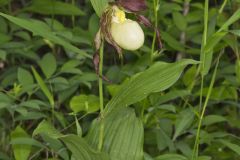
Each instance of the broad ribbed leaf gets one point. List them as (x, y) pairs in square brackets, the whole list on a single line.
[(171, 157), (155, 79), (123, 135), (81, 149), (39, 28)]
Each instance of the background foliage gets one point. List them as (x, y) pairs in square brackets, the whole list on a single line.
[(167, 105)]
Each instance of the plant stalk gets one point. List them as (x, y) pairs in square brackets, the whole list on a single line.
[(201, 66), (100, 85), (155, 8), (196, 145)]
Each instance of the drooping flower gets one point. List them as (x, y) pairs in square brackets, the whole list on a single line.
[(120, 32)]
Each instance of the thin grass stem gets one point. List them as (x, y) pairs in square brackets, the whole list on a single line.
[(100, 85)]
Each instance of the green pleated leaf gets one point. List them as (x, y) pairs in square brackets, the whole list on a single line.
[(123, 135), (50, 7), (38, 28), (81, 149), (171, 157), (155, 79)]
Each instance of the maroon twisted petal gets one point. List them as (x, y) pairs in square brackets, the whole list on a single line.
[(133, 5)]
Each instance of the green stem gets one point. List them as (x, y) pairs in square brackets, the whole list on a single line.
[(196, 145), (155, 7), (202, 65), (100, 85), (73, 17)]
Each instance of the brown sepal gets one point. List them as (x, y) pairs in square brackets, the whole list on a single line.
[(132, 5), (143, 20), (96, 60), (106, 22)]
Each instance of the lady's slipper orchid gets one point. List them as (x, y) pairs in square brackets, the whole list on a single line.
[(125, 32), (120, 32)]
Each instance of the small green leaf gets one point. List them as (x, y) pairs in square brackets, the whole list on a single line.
[(3, 55), (48, 65), (25, 78), (79, 129), (189, 76), (232, 146), (237, 68), (172, 42), (43, 87), (21, 151), (180, 21), (212, 119), (51, 7), (183, 121), (46, 128), (88, 103)]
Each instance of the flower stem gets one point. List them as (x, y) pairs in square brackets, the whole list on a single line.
[(73, 17), (100, 85), (197, 140), (155, 8)]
